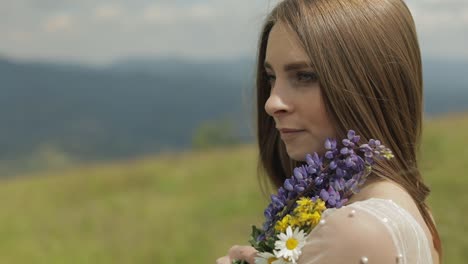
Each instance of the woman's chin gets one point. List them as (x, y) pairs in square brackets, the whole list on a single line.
[(297, 155), (300, 155)]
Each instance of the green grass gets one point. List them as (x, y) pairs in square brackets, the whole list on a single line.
[(188, 207), (445, 163)]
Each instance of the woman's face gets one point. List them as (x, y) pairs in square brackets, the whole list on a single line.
[(295, 100)]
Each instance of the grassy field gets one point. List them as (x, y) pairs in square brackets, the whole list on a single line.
[(187, 207)]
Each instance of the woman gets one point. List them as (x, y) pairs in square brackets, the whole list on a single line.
[(326, 66)]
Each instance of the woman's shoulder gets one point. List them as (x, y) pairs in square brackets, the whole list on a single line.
[(374, 230), (350, 235)]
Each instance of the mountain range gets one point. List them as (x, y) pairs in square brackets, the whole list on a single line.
[(144, 105)]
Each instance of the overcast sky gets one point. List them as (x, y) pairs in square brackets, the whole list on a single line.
[(100, 31)]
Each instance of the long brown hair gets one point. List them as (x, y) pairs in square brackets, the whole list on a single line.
[(367, 57)]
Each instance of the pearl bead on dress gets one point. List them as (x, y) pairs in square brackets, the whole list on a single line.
[(322, 221), (352, 213), (364, 260), (399, 258)]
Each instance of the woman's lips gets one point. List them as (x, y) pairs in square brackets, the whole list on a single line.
[(287, 133), (289, 130)]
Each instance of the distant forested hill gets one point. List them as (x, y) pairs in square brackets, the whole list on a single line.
[(138, 106), (446, 85), (114, 112)]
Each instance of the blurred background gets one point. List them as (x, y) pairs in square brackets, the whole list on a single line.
[(127, 128)]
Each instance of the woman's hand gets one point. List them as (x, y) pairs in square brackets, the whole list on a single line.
[(246, 253)]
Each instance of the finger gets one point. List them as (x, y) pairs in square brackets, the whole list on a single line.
[(243, 252), (224, 260)]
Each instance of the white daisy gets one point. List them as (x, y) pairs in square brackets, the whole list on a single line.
[(290, 244), (268, 258)]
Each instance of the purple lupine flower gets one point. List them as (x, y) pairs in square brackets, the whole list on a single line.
[(303, 170), (365, 147), (282, 194), (349, 162), (318, 181), (353, 137), (310, 161), (325, 174), (267, 213), (277, 202), (324, 195), (374, 143), (359, 163), (298, 188), (341, 202), (330, 196), (344, 150), (330, 143), (311, 170), (340, 172), (334, 175), (298, 173), (348, 143), (317, 161), (351, 184), (361, 178), (288, 185), (338, 184)]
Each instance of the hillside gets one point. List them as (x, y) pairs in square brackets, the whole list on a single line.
[(187, 207), (137, 106), (106, 113)]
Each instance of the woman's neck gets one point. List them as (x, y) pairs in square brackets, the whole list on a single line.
[(368, 190)]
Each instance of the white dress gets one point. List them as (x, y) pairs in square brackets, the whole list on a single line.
[(370, 231)]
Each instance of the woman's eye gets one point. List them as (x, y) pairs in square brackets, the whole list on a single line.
[(307, 76), (270, 77)]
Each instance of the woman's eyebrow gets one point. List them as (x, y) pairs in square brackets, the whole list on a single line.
[(290, 66)]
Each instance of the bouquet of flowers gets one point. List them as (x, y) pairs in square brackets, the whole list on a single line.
[(325, 182)]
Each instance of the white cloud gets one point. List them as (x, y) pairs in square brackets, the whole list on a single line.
[(160, 13), (201, 11), (164, 13), (198, 29), (19, 36), (433, 20), (464, 17), (441, 27), (107, 12), (60, 22)]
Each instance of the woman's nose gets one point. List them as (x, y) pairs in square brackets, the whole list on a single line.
[(276, 104)]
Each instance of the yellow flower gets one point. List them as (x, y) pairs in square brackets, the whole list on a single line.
[(387, 154), (320, 205), (305, 202), (315, 218), (304, 218), (306, 214), (304, 205), (283, 223), (309, 219), (294, 221)]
